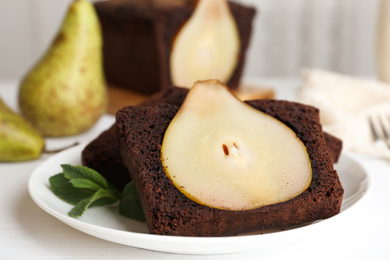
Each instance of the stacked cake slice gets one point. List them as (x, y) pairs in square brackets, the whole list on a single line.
[(139, 133)]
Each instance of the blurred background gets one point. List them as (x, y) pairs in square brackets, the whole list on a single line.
[(288, 35)]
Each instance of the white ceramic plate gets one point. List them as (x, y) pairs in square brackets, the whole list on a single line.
[(106, 223)]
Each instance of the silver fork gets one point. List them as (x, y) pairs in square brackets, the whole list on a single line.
[(380, 128)]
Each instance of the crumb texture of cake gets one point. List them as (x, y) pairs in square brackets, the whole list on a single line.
[(138, 37), (140, 131)]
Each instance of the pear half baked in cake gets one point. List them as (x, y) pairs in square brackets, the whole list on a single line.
[(223, 153), (200, 172)]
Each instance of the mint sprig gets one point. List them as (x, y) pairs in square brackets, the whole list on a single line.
[(84, 187)]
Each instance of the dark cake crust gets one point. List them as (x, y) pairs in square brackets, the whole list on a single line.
[(138, 36), (140, 131)]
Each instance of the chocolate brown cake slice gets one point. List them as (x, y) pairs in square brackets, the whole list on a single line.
[(140, 131), (138, 37)]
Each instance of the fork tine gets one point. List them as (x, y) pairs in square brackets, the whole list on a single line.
[(380, 129), (384, 128), (374, 130)]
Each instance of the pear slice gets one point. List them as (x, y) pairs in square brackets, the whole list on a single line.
[(207, 46), (223, 153)]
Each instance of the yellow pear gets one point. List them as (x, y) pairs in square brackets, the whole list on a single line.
[(19, 141), (65, 92)]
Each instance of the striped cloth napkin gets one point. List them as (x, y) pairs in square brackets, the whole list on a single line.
[(345, 104)]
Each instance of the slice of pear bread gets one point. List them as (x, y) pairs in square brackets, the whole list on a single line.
[(140, 131), (139, 36)]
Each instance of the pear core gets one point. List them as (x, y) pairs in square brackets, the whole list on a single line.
[(207, 46), (222, 153)]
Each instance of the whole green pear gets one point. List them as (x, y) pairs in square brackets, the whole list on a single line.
[(19, 141), (65, 92)]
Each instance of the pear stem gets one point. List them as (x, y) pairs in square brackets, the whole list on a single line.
[(60, 149)]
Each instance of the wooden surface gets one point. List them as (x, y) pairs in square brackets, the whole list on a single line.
[(120, 97)]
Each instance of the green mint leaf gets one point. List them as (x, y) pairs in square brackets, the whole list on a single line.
[(129, 205), (103, 201), (85, 184), (63, 189), (82, 187), (80, 207), (82, 172)]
